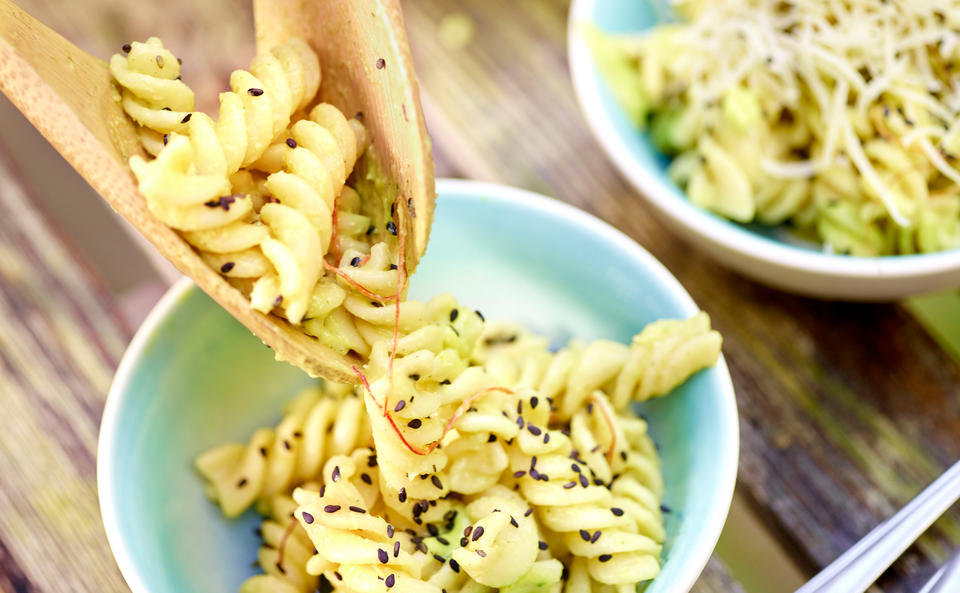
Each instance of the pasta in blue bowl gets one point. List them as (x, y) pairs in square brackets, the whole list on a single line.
[(569, 471), (791, 166)]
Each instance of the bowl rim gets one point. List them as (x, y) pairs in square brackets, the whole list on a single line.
[(745, 243), (708, 533)]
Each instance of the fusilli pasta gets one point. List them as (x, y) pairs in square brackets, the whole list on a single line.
[(764, 105)]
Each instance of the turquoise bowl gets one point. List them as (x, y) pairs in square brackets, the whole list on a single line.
[(194, 378), (769, 254)]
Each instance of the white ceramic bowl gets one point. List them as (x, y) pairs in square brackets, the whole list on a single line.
[(767, 255)]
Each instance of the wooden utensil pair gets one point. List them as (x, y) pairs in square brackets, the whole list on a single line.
[(70, 98)]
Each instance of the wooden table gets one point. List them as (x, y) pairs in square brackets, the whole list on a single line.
[(847, 410)]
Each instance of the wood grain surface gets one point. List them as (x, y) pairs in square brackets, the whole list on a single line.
[(60, 340), (847, 411)]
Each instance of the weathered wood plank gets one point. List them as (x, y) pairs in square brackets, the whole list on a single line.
[(59, 344), (847, 410)]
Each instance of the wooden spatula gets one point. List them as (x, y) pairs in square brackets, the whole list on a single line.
[(68, 95)]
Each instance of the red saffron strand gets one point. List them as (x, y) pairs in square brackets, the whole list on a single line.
[(605, 412), (335, 236), (283, 543)]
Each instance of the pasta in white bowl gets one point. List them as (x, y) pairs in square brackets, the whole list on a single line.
[(864, 182)]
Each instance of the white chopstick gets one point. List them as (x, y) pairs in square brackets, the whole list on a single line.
[(863, 563)]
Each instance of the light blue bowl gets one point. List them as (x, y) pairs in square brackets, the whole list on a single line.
[(194, 378), (771, 255)]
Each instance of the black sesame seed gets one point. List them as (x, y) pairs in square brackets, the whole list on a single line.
[(392, 228), (481, 553), (528, 512), (396, 548), (255, 92), (336, 473), (286, 445), (389, 530), (355, 262), (514, 521), (263, 451), (281, 568), (356, 509), (390, 580), (415, 423), (520, 421), (186, 118), (414, 377), (381, 63), (436, 482), (604, 557), (393, 266), (400, 405), (323, 489), (546, 438), (617, 511), (463, 542), (534, 474), (371, 461), (477, 533), (664, 508), (533, 402), (585, 535), (542, 545), (445, 382), (480, 315), (595, 537), (519, 407), (575, 467), (432, 529), (569, 485), (519, 474), (370, 229), (583, 481), (159, 61), (416, 539), (307, 517), (535, 431), (376, 304), (533, 461), (403, 495), (338, 575), (291, 143), (492, 438), (439, 558), (242, 483), (443, 540), (331, 508), (366, 479), (453, 315), (382, 556), (126, 48), (454, 565)]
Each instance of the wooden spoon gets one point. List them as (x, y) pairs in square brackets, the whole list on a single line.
[(366, 66)]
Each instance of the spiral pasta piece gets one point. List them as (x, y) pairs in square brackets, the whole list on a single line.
[(258, 107), (661, 357), (357, 550), (572, 499), (414, 393), (317, 426)]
